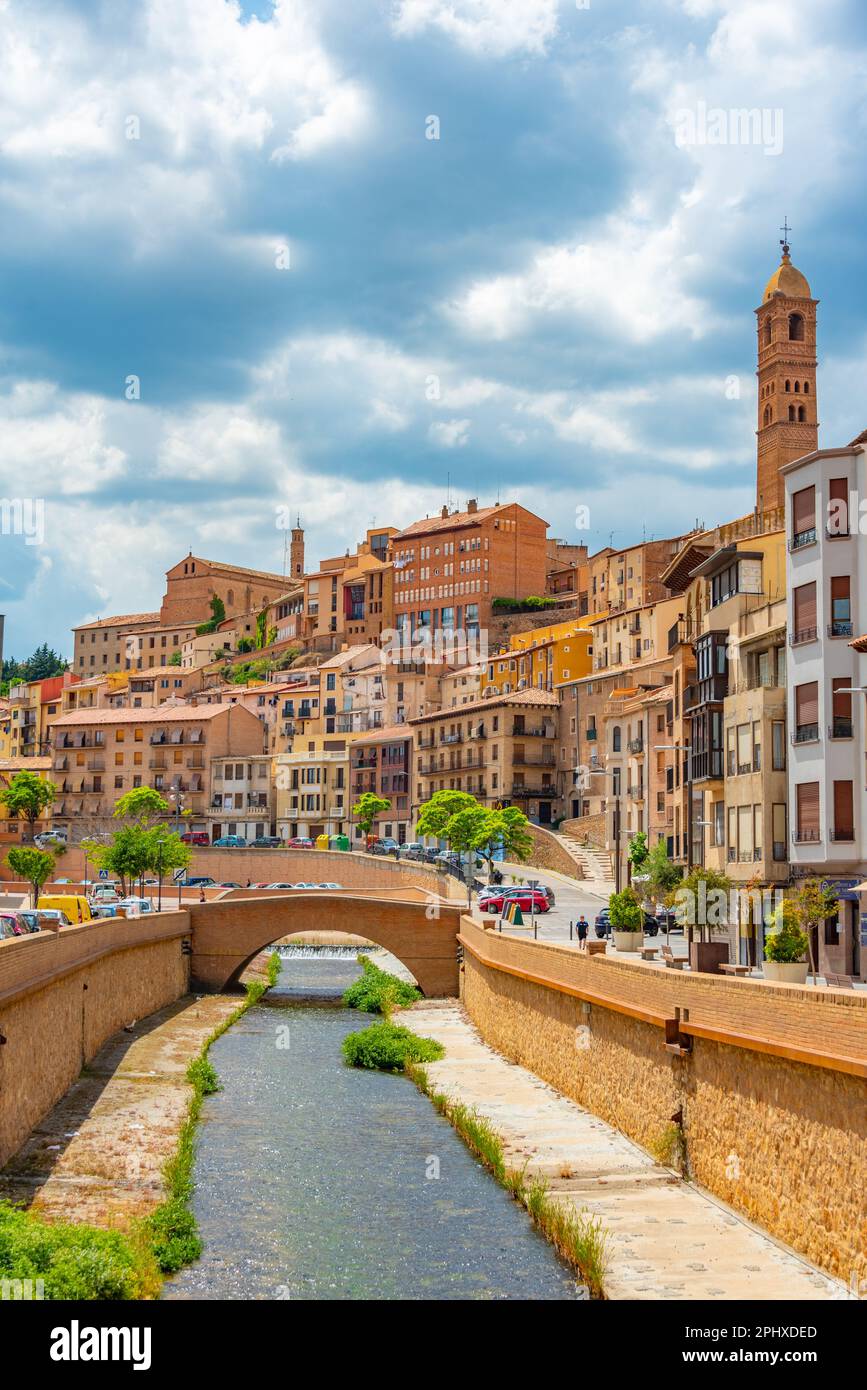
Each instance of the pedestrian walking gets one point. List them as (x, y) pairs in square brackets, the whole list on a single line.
[(583, 928)]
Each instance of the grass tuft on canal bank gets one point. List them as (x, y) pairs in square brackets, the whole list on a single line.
[(378, 992), (577, 1236), (64, 1261)]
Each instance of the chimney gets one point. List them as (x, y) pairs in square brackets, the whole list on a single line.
[(472, 505), (444, 513)]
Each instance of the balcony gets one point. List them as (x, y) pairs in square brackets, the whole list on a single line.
[(422, 742), (635, 793), (478, 732), (542, 731), (523, 792), (591, 735), (802, 538), (844, 837), (682, 633), (452, 738), (806, 837), (524, 760), (806, 733), (636, 745), (840, 628), (802, 635), (707, 765), (96, 764), (841, 727), (369, 761)]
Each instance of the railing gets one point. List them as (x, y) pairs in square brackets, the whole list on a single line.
[(523, 791), (636, 745), (802, 538), (840, 628), (523, 760), (96, 764), (591, 735), (843, 836), (452, 738), (635, 793), (542, 731), (779, 851), (806, 837), (806, 733), (841, 727), (802, 635)]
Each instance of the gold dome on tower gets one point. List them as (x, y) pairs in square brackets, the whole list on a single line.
[(788, 280)]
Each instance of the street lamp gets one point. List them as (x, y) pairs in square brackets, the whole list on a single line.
[(683, 748)]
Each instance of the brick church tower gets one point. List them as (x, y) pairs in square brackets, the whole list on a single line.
[(788, 422), (296, 552)]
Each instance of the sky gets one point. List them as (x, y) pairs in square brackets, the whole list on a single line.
[(352, 259)]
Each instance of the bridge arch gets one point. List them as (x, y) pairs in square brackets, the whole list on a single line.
[(418, 928)]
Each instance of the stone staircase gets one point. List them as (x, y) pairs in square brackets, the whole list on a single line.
[(595, 865)]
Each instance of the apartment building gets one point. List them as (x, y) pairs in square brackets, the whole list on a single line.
[(450, 568), (241, 800), (381, 763), (15, 832), (353, 691), (311, 787), (503, 750), (827, 607), (544, 658), (349, 598), (101, 646), (33, 706), (98, 755)]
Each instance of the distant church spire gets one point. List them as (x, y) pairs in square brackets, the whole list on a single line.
[(788, 423)]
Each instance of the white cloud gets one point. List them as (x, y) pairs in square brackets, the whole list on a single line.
[(490, 27), (450, 434), (51, 443)]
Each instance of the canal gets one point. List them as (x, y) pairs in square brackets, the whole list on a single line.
[(320, 1181)]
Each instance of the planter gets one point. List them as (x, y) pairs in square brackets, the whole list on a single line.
[(628, 940), (787, 972), (708, 956)]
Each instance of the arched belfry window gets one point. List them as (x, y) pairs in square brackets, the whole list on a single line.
[(798, 387), (768, 415), (801, 414), (806, 388), (791, 412), (788, 386), (766, 334), (796, 328)]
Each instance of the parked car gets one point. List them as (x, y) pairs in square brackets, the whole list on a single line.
[(651, 924), (528, 899), (230, 842), (300, 842), (75, 906), (49, 839), (196, 837), (383, 846), (230, 883), (50, 915), (9, 926), (199, 881), (28, 919), (602, 924), (266, 842), (283, 885), (329, 885), (107, 893)]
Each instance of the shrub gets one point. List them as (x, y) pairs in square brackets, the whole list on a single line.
[(74, 1262), (388, 1047), (788, 943), (375, 991), (626, 911)]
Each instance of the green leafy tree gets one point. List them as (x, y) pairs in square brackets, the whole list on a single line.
[(435, 814), (27, 797), (638, 852), (176, 658), (35, 866), (485, 831), (367, 808), (663, 875), (714, 882), (144, 805), (245, 644), (814, 902)]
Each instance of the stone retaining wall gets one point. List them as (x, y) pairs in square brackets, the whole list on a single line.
[(782, 1140)]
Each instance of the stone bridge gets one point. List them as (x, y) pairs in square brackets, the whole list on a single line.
[(414, 924)]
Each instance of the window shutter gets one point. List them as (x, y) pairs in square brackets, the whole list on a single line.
[(807, 703), (805, 608), (808, 807), (843, 818), (804, 510)]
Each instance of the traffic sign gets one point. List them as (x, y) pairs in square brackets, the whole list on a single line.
[(103, 873), (179, 875)]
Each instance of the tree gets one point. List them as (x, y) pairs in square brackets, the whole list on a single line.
[(702, 884), (814, 903), (176, 658), (435, 814), (664, 875), (638, 852), (787, 942), (626, 912), (245, 644), (33, 865), (486, 831), (367, 808), (137, 849), (27, 796), (144, 805)]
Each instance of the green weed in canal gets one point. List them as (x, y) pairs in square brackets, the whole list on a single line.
[(389, 1047), (377, 992), (275, 965), (577, 1236)]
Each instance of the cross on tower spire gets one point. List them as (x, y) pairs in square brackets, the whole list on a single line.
[(785, 229)]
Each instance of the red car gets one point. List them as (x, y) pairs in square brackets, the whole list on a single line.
[(196, 837), (528, 899), (300, 842)]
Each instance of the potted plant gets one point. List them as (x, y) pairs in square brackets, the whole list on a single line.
[(627, 920), (786, 947)]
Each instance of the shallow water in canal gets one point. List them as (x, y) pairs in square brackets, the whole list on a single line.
[(317, 1181)]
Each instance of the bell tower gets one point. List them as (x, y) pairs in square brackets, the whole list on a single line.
[(296, 550), (788, 423)]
